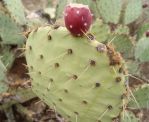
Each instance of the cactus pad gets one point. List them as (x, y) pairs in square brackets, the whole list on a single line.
[(60, 8), (141, 31), (133, 10), (16, 9), (7, 56), (110, 10), (123, 44), (10, 32), (73, 77), (100, 30), (142, 97), (142, 49)]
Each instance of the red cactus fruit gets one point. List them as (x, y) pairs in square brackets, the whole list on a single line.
[(147, 33), (78, 18), (145, 5)]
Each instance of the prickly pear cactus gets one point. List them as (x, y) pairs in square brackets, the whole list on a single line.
[(142, 49), (110, 10), (60, 8), (124, 44), (16, 10), (80, 79), (7, 56), (133, 9), (100, 30), (10, 32), (142, 98), (141, 31)]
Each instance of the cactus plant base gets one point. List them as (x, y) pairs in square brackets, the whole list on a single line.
[(71, 76)]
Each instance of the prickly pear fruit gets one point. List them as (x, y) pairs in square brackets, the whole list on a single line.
[(78, 18), (147, 34)]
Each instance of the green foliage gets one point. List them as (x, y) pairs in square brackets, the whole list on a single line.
[(142, 49), (10, 32), (141, 96), (16, 10)]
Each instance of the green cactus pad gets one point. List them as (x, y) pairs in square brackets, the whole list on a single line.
[(142, 97), (100, 30), (16, 9), (132, 66), (3, 85), (133, 10), (121, 29), (123, 44), (73, 77), (60, 8), (7, 56), (141, 31), (110, 10), (10, 32), (142, 49), (129, 117)]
